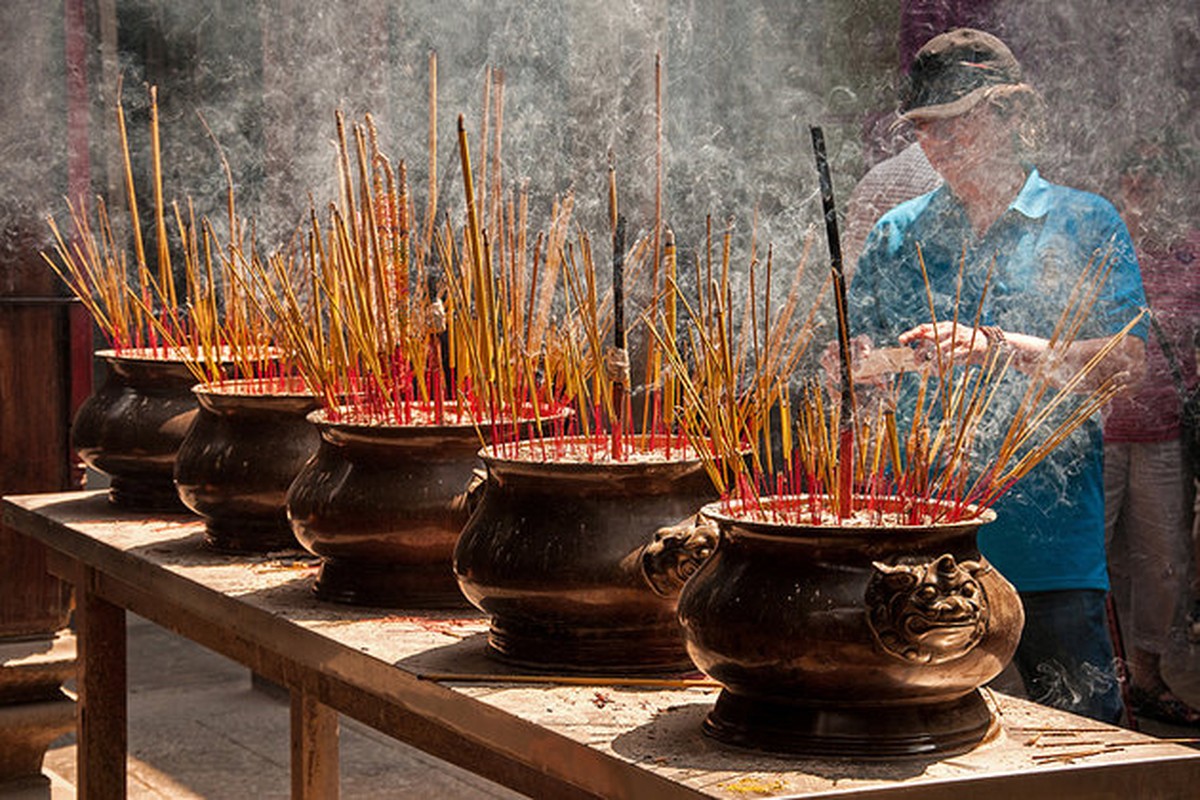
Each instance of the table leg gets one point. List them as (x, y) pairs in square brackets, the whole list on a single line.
[(314, 748), (103, 730)]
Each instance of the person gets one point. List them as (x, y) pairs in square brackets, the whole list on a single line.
[(904, 172), (1019, 244), (887, 184), (1147, 484)]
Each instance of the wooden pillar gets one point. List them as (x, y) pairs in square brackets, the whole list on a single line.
[(103, 716), (45, 362), (314, 730)]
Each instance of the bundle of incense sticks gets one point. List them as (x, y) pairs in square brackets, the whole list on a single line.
[(355, 306), (212, 326), (726, 387), (929, 471), (541, 326), (535, 323), (523, 355), (566, 356), (581, 355), (400, 321)]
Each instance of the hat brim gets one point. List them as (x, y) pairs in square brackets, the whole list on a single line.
[(946, 110)]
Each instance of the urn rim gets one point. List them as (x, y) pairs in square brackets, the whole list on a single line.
[(727, 520), (538, 464)]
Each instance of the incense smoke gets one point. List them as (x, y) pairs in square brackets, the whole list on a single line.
[(740, 85)]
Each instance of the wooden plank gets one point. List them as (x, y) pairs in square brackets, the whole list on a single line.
[(314, 728), (440, 721), (1080, 782), (103, 726)]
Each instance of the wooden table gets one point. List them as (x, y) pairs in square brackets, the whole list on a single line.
[(387, 669)]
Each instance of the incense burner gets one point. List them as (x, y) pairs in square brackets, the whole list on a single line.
[(132, 425), (240, 456), (579, 564), (864, 641), (382, 505)]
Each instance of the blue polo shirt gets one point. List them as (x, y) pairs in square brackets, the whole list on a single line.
[(1049, 531)]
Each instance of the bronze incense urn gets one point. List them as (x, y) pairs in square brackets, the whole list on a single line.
[(579, 564), (247, 444), (858, 640), (130, 428), (382, 505)]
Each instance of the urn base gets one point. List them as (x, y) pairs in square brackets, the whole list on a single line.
[(249, 536), (388, 585), (863, 733), (622, 650), (145, 494)]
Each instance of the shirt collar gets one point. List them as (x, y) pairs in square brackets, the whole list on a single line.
[(1034, 198), (1033, 201)]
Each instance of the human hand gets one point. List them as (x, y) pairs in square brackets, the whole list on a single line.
[(947, 340), (831, 362)]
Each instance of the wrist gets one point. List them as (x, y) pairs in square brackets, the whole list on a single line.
[(996, 340)]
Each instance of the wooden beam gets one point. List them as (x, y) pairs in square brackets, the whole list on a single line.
[(103, 728), (315, 770)]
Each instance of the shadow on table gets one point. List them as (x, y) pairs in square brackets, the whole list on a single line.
[(280, 582), (675, 739), (288, 593), (466, 657), (189, 549)]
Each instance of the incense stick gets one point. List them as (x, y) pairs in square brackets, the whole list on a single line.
[(846, 422)]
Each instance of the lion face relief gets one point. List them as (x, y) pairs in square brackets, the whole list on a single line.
[(676, 553), (927, 613)]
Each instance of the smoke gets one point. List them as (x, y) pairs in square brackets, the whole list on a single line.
[(740, 84), (1113, 74), (1056, 686)]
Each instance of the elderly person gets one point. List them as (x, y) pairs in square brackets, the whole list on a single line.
[(978, 124)]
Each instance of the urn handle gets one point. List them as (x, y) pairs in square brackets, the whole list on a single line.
[(472, 494), (928, 612), (676, 553)]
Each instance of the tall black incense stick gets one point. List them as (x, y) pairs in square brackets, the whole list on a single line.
[(618, 384), (846, 419), (618, 280)]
